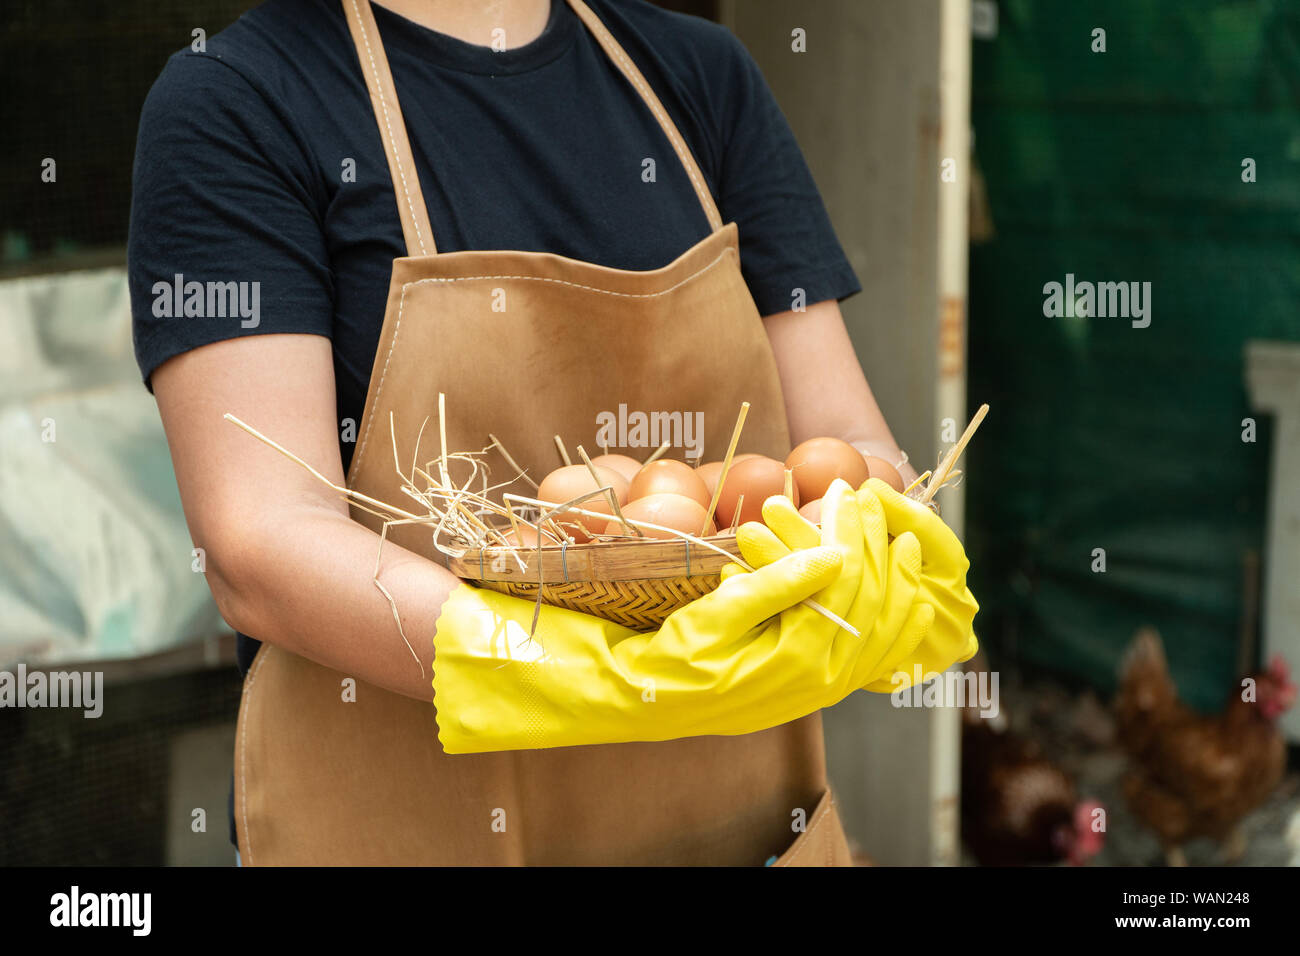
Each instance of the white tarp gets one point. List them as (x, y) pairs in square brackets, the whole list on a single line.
[(95, 559)]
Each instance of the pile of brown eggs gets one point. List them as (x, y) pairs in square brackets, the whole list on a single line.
[(674, 495)]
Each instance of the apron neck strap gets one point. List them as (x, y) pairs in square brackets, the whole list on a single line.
[(629, 70), (397, 147), (392, 129)]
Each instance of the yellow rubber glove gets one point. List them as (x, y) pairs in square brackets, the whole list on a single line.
[(951, 638), (743, 658), (890, 621)]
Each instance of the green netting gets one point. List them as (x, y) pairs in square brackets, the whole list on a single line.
[(1126, 166)]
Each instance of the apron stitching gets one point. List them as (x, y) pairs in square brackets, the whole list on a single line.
[(652, 101), (401, 305), (383, 104), (379, 389), (830, 844), (243, 755), (579, 285)]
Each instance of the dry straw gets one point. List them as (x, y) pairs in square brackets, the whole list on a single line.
[(629, 578)]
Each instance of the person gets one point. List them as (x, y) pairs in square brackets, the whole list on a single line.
[(653, 204)]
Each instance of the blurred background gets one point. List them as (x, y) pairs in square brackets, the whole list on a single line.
[(1128, 482)]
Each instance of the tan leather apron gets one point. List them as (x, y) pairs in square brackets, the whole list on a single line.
[(324, 781)]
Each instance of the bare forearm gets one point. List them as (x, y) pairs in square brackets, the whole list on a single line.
[(285, 563), (306, 586), (826, 392)]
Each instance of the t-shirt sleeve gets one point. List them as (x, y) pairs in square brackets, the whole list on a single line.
[(226, 236), (764, 185)]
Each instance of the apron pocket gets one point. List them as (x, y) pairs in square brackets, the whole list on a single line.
[(823, 843)]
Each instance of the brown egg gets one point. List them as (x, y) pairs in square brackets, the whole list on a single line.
[(812, 511), (527, 538), (710, 472), (671, 511), (625, 466), (885, 472), (669, 477), (565, 484), (819, 461), (757, 479)]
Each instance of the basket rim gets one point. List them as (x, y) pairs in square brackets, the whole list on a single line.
[(633, 560)]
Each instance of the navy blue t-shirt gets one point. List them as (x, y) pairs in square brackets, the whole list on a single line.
[(259, 160)]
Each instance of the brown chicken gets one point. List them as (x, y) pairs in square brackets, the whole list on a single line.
[(1193, 776), (1019, 808)]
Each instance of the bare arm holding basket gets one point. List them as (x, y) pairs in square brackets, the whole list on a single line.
[(285, 562)]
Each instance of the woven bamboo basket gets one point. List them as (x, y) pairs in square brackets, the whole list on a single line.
[(633, 583), (636, 581)]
